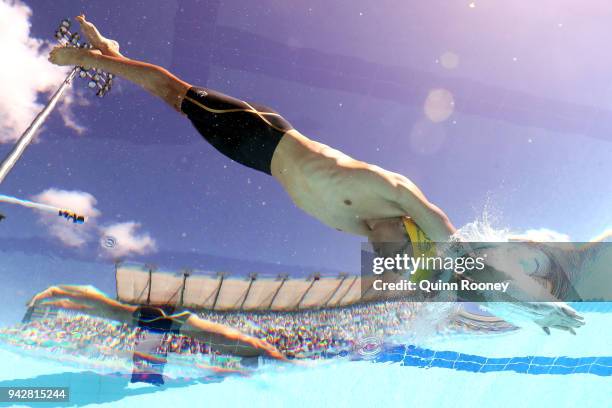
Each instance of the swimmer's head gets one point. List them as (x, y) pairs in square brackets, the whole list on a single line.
[(388, 236)]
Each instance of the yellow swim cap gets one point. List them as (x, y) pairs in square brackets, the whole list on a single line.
[(421, 246)]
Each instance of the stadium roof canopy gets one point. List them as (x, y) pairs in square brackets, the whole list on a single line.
[(139, 284)]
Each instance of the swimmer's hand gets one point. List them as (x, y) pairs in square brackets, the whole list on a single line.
[(547, 315), (556, 315)]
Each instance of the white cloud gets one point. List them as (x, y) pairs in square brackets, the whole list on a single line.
[(65, 110), (79, 201), (126, 239), (543, 235), (25, 72), (73, 235)]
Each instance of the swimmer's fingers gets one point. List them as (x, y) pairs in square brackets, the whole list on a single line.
[(571, 319), (565, 328), (565, 321), (572, 313), (564, 315), (559, 324)]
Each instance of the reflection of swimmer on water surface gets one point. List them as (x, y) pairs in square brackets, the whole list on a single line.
[(221, 338), (343, 193), (305, 335)]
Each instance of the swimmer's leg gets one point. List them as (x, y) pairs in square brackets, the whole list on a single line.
[(86, 299), (152, 78), (249, 134), (97, 40)]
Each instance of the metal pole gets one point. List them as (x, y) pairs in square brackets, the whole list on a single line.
[(30, 132), (185, 276), (253, 277), (221, 277), (283, 278), (149, 284)]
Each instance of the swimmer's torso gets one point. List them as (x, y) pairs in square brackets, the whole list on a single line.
[(336, 189)]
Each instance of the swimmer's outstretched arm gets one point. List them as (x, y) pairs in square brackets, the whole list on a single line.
[(89, 300)]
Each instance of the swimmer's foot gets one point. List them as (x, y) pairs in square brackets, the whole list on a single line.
[(83, 298), (56, 292), (98, 41), (62, 55)]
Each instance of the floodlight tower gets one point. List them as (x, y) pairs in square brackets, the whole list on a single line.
[(97, 79)]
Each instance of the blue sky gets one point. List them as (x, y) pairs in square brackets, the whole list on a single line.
[(529, 135)]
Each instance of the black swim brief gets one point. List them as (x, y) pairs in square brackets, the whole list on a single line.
[(245, 132), (157, 319)]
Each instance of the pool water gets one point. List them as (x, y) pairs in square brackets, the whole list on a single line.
[(446, 374)]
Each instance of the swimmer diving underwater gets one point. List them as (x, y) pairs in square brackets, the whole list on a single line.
[(341, 192)]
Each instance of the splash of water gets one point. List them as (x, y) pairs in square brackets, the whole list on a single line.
[(483, 229)]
